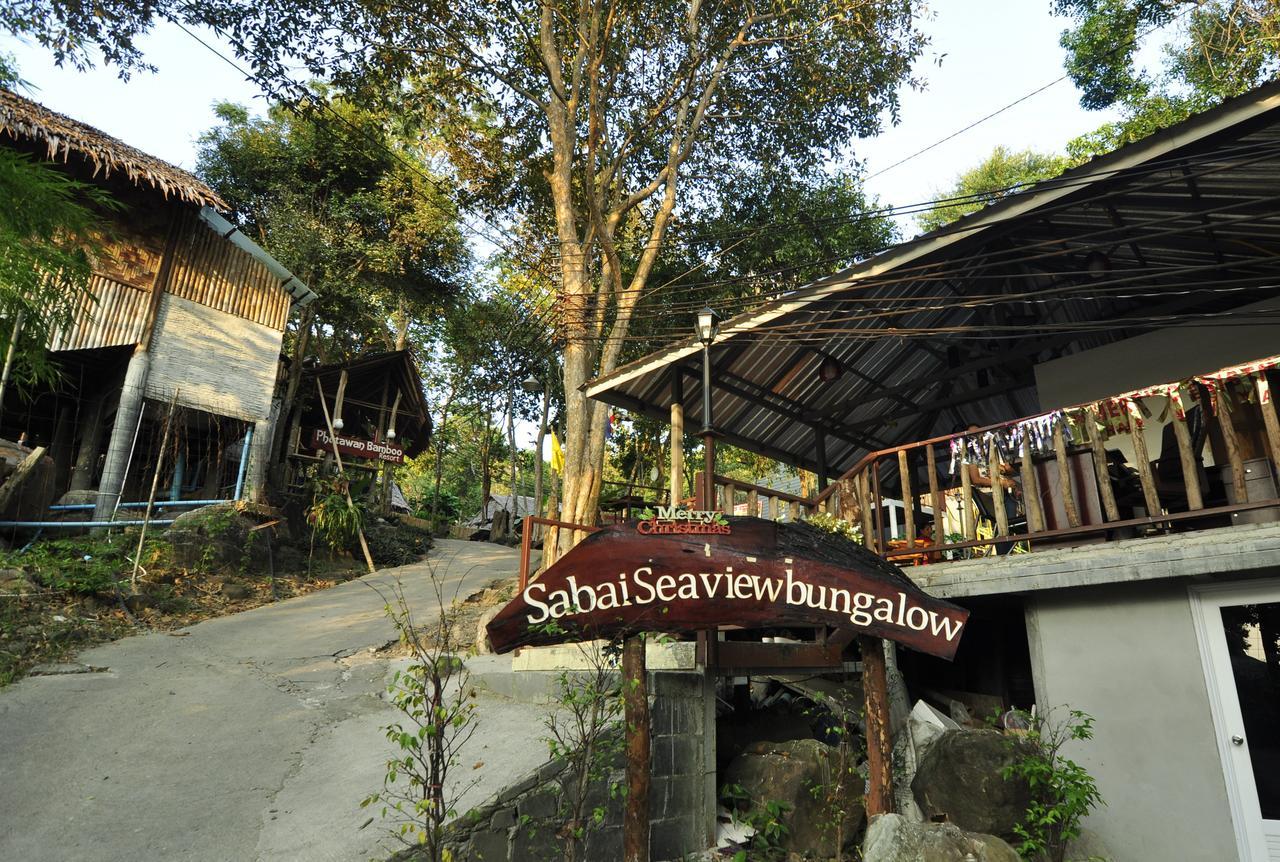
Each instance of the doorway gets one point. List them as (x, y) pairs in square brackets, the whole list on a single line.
[(1239, 630)]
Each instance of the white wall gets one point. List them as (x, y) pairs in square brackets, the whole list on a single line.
[(219, 362), (1127, 655), (1157, 357)]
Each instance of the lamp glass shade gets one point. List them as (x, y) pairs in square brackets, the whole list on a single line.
[(706, 325), (531, 384)]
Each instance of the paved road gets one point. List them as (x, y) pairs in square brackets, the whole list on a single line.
[(253, 736)]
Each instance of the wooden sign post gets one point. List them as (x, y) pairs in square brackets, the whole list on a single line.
[(685, 572)]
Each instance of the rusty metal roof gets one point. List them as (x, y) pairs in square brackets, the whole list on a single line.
[(944, 330)]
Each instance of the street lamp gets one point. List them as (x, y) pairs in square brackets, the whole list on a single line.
[(532, 384), (706, 332)]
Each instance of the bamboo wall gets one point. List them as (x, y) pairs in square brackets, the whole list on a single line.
[(219, 362), (207, 270)]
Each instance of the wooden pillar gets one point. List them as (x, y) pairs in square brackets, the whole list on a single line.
[(1268, 408), (936, 499), (1149, 494), (635, 700), (1031, 490), (677, 452), (1064, 477), (875, 689), (908, 500), (968, 523), (997, 489), (1101, 471), (1233, 451), (820, 450), (1190, 466)]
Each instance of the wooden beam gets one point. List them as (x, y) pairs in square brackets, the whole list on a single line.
[(936, 499), (1233, 451), (1031, 490), (635, 701), (1268, 408), (997, 489)]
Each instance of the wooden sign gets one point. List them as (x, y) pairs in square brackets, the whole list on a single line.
[(357, 447), (758, 574)]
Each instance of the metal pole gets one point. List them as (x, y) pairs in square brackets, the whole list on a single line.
[(708, 437), (244, 462)]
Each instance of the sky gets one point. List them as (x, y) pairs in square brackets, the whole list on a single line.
[(983, 55)]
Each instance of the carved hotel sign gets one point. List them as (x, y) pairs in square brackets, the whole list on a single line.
[(749, 572)]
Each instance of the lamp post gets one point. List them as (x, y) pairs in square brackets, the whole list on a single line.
[(532, 384), (706, 331)]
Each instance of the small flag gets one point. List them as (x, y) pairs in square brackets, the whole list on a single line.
[(557, 454), (608, 425)]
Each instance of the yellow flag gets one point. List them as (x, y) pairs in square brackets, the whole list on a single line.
[(557, 454)]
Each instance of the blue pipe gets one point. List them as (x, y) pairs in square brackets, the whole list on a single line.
[(244, 463), (158, 504), (43, 524)]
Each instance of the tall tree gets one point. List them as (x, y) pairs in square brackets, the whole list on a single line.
[(1212, 50), (344, 198), (606, 113)]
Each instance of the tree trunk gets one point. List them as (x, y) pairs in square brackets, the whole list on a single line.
[(511, 442), (537, 451)]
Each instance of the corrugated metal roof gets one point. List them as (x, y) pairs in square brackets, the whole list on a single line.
[(944, 330)]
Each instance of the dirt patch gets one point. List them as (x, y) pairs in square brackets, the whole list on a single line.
[(462, 621)]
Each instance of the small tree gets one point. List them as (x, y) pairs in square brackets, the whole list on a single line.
[(434, 697), (1062, 791), (583, 733)]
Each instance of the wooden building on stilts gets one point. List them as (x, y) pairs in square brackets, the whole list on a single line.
[(182, 308)]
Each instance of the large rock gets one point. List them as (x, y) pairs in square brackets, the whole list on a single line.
[(211, 537), (893, 838), (788, 772), (960, 778)]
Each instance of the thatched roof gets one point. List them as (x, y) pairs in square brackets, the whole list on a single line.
[(62, 137)]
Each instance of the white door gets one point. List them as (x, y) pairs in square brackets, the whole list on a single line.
[(1239, 629)]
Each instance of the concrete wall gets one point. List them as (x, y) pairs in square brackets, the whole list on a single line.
[(521, 822), (1127, 655)]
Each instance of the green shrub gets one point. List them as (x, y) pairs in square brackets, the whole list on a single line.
[(81, 566), (1062, 791)]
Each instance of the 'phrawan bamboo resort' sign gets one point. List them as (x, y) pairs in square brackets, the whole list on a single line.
[(754, 574)]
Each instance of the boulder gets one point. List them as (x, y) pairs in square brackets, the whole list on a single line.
[(788, 772), (210, 537), (235, 591), (893, 838), (960, 779), (482, 646)]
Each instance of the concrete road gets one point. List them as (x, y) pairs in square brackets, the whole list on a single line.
[(253, 736)]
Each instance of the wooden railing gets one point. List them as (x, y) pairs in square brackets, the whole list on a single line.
[(757, 500), (1100, 492), (1081, 474)]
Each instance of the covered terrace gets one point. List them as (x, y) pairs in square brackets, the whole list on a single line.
[(1086, 340)]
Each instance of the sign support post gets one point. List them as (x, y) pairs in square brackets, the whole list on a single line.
[(635, 704), (875, 689)]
